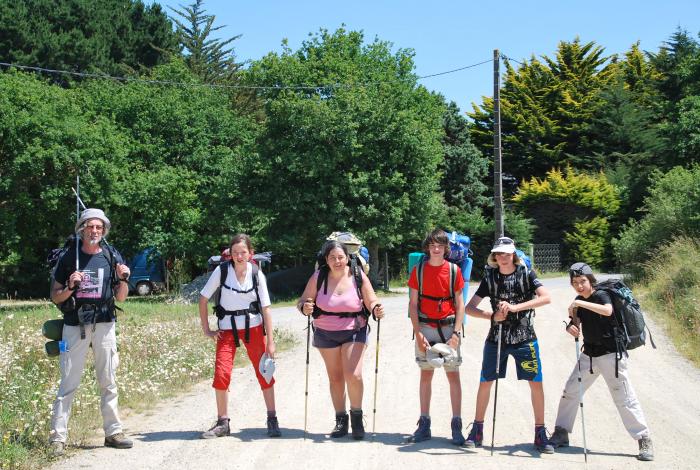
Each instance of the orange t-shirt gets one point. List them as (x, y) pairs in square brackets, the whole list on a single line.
[(436, 283)]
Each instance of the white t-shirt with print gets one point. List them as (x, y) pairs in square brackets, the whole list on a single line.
[(232, 300)]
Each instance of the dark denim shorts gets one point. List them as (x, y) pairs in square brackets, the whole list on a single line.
[(333, 339)]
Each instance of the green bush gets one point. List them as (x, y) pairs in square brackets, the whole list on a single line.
[(589, 240), (672, 278), (672, 209), (573, 207)]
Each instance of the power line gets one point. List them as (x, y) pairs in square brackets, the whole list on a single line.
[(505, 57), (213, 85)]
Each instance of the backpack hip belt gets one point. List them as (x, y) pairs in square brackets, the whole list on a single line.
[(87, 313), (254, 309), (439, 323)]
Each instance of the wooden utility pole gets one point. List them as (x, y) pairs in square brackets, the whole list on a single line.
[(497, 174)]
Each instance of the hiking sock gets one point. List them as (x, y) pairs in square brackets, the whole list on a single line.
[(272, 414)]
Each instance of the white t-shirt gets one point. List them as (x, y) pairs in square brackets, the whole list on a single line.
[(232, 300)]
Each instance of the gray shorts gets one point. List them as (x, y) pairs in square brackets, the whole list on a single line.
[(432, 335)]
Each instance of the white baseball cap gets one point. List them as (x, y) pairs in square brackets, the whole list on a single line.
[(266, 367)]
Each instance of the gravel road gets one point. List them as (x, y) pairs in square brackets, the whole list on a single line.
[(168, 436)]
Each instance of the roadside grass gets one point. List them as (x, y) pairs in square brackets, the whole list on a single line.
[(162, 353), (671, 290)]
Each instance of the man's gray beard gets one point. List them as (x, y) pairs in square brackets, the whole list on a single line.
[(94, 241)]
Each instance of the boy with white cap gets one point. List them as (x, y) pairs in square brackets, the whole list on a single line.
[(514, 292)]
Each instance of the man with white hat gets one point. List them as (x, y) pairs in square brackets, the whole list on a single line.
[(86, 286)]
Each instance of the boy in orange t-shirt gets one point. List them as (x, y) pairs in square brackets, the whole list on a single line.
[(437, 318)]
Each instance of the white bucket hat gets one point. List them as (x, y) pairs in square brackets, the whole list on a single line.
[(439, 354), (266, 367), (88, 214)]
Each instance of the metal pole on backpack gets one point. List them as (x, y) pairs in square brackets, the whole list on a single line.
[(306, 392), (580, 399), (77, 218), (376, 378), (495, 398)]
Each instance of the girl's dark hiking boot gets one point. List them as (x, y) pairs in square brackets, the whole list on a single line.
[(219, 429), (423, 431), (476, 435), (273, 427), (358, 427), (341, 425), (542, 441)]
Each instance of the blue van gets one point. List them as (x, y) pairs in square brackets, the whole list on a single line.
[(147, 276)]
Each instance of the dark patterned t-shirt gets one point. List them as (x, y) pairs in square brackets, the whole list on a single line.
[(518, 326)]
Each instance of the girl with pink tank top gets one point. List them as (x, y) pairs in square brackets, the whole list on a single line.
[(341, 340)]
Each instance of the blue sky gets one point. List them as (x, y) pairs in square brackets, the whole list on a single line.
[(448, 35)]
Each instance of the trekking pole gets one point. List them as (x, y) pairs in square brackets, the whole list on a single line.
[(376, 378), (306, 392), (495, 397), (580, 400)]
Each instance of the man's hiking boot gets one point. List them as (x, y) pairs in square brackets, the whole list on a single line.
[(646, 450), (476, 435), (58, 448), (457, 436), (118, 441), (341, 425), (423, 431), (560, 438), (273, 427), (218, 430), (542, 441), (358, 427)]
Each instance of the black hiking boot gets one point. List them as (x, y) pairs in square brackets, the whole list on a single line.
[(423, 431), (646, 450), (341, 425), (542, 441), (273, 427), (457, 436), (560, 438), (358, 427), (476, 435)]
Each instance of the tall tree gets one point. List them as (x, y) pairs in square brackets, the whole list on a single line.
[(464, 168), (111, 36), (358, 149), (545, 106), (208, 58)]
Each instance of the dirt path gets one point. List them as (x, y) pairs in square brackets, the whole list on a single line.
[(168, 437)]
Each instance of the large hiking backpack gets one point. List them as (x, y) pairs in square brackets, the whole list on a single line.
[(629, 319), (460, 255)]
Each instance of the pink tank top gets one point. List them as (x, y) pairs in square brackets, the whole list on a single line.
[(348, 301)]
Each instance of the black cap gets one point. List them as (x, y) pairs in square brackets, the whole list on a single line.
[(579, 269)]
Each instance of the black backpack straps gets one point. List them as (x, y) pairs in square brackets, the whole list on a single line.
[(256, 270), (322, 279)]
